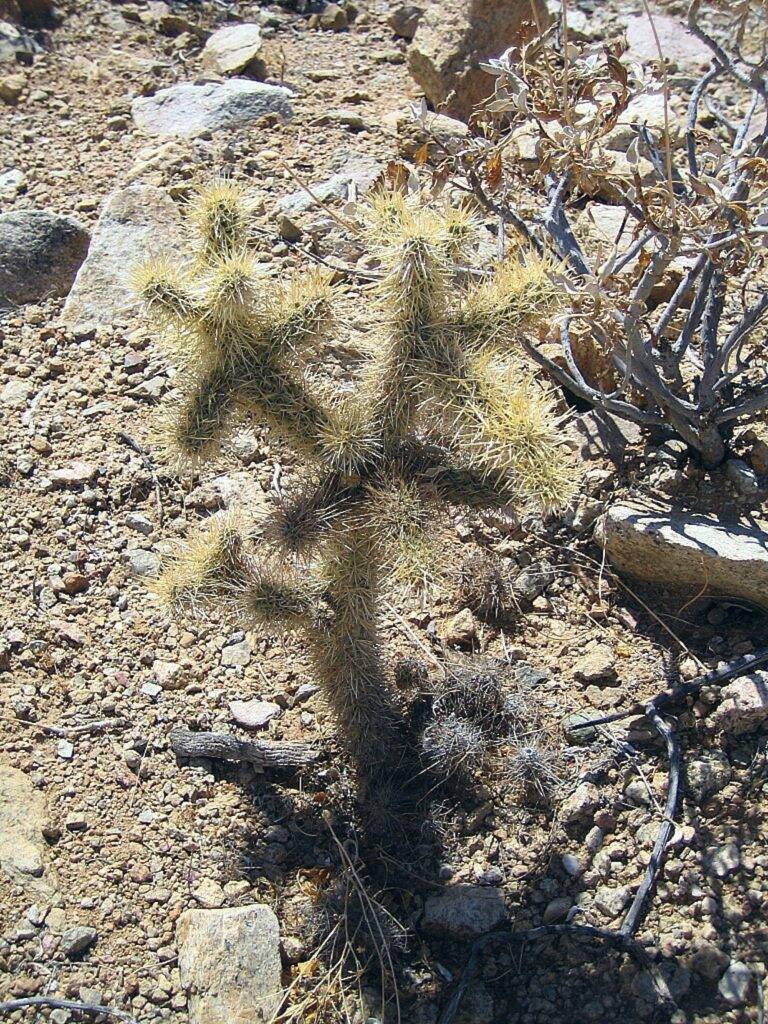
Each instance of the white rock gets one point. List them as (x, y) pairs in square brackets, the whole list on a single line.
[(743, 704), (137, 222), (187, 110), (237, 655), (358, 173), (687, 551), (229, 962), (611, 902), (678, 45), (724, 860), (235, 48), (169, 674), (463, 911), (253, 714), (143, 562), (736, 984), (76, 474)]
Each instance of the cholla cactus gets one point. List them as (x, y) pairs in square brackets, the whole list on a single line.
[(442, 415)]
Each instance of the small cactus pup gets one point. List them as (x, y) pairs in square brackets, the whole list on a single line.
[(441, 415)]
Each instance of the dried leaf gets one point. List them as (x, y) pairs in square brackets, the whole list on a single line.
[(420, 156), (493, 168), (397, 175)]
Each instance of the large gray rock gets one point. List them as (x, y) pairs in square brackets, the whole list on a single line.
[(463, 911), (679, 46), (16, 44), (235, 48), (137, 222), (687, 551), (187, 110), (40, 253), (453, 36), (229, 962), (23, 850)]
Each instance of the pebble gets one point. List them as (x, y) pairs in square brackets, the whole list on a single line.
[(581, 804), (724, 860), (65, 749), (253, 714), (736, 984), (557, 909), (237, 655), (143, 562), (77, 940)]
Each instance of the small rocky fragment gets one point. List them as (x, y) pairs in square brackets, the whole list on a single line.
[(464, 911), (235, 49), (16, 44), (229, 962), (438, 132), (743, 704), (135, 220), (188, 109), (687, 551), (557, 910), (11, 88), (460, 630), (75, 475), (709, 960), (40, 253), (454, 36)]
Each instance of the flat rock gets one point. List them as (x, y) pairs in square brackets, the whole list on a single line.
[(357, 174), (40, 253), (229, 962), (189, 109), (233, 49), (687, 551), (679, 46), (253, 714), (137, 222), (463, 911), (23, 850), (451, 40), (76, 474), (743, 704)]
